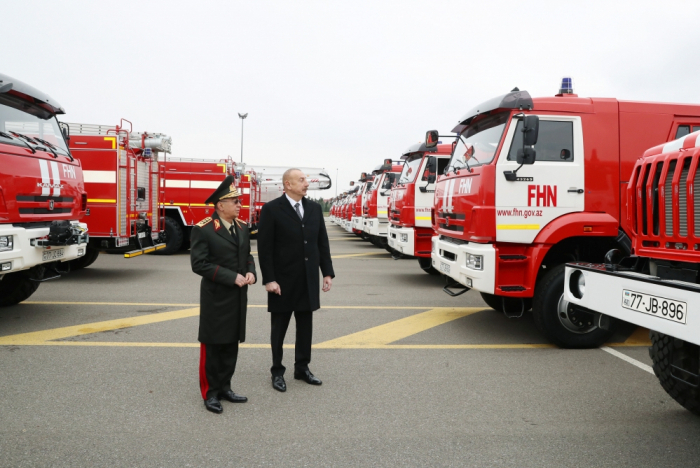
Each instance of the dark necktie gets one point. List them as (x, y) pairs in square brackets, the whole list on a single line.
[(233, 232), (296, 207)]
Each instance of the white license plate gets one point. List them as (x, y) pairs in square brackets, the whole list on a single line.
[(444, 267), (142, 235), (48, 255), (669, 309)]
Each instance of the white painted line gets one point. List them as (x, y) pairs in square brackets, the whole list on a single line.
[(624, 357)]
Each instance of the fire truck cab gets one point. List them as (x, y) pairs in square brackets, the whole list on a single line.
[(122, 180), (42, 194), (535, 183), (375, 206), (411, 202), (356, 220), (657, 284)]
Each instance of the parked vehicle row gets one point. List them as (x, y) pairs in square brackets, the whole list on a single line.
[(529, 185)]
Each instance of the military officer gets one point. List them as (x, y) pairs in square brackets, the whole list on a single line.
[(220, 254)]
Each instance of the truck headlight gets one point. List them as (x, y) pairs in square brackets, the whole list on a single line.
[(475, 262), (577, 284), (5, 243), (404, 237)]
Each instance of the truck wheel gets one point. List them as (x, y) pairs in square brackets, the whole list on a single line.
[(426, 265), (665, 352), (17, 287), (173, 237), (86, 260), (496, 302), (559, 325)]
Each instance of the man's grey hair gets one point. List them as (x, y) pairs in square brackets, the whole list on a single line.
[(288, 175)]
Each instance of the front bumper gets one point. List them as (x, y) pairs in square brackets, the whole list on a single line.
[(451, 260), (604, 293), (376, 227), (26, 253), (356, 223), (402, 239)]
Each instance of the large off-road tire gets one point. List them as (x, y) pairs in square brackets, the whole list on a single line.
[(174, 237), (496, 302), (17, 287), (426, 264), (86, 260), (559, 324), (666, 351)]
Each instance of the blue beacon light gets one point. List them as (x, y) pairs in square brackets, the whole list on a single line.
[(567, 85)]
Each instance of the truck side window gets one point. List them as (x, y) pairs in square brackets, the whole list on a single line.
[(442, 164), (554, 143), (682, 131)]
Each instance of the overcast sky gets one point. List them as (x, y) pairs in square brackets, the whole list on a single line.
[(340, 85)]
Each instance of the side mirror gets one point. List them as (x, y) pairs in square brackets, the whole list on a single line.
[(531, 128), (431, 178), (526, 156), (432, 164), (431, 138), (65, 130)]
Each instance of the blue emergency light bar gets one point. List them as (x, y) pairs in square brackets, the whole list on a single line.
[(567, 85)]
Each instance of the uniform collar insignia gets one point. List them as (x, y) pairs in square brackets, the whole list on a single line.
[(217, 225)]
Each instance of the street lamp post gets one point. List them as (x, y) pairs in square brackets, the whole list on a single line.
[(242, 116)]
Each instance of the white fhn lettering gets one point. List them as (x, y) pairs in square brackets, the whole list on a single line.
[(68, 171), (465, 185)]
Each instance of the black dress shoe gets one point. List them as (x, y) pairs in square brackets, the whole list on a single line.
[(232, 397), (307, 377), (279, 384), (213, 405)]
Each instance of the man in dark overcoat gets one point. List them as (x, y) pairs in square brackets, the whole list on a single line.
[(220, 254), (292, 246)]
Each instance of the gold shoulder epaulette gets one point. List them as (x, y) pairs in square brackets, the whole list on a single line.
[(204, 222)]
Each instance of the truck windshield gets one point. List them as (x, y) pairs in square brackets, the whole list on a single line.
[(410, 169), (15, 124), (477, 144)]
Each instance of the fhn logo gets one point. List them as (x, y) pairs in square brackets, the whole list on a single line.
[(543, 195)]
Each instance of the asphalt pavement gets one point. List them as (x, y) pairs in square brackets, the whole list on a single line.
[(100, 368)]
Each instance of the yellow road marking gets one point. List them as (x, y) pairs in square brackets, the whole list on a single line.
[(96, 327), (379, 337), (399, 329), (100, 200)]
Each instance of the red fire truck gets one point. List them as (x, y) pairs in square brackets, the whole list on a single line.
[(535, 183), (375, 206), (122, 179), (188, 182), (411, 200), (357, 221), (657, 284), (42, 195)]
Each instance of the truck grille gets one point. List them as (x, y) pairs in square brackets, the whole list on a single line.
[(664, 196)]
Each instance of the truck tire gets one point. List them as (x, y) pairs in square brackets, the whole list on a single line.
[(426, 264), (17, 287), (557, 323), (86, 260), (496, 302), (665, 351), (173, 237)]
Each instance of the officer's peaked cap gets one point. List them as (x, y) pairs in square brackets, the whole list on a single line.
[(227, 189)]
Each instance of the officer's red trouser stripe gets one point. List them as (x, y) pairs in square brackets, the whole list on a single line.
[(203, 382)]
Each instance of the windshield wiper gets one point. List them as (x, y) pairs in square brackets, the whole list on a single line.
[(53, 147), (18, 137)]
